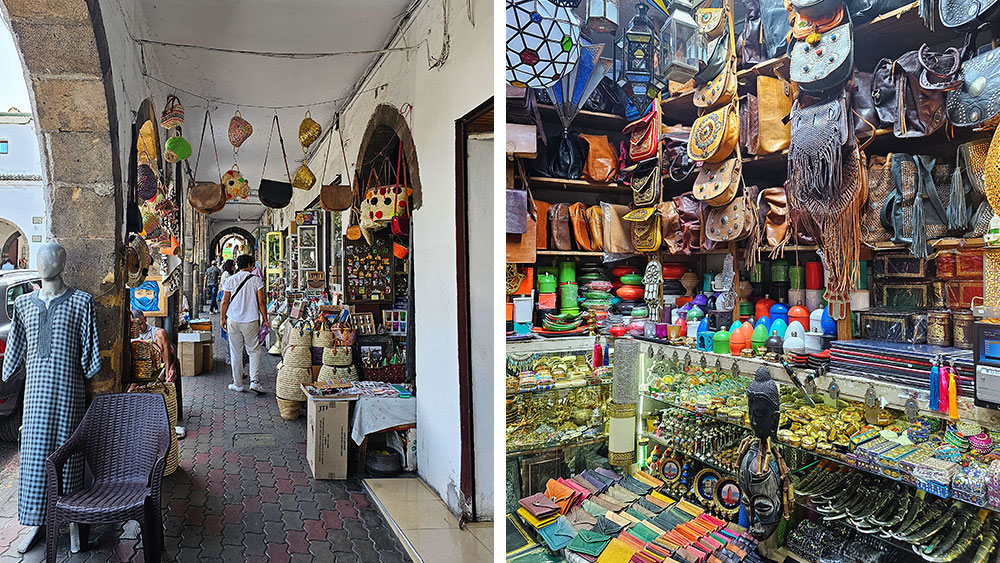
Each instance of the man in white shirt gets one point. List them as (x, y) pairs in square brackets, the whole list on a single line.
[(243, 311)]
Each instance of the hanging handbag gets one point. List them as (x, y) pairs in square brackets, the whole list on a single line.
[(645, 184), (918, 80), (866, 121), (719, 51), (915, 209), (880, 187), (595, 225), (966, 15), (235, 184), (718, 90), (565, 158), (977, 102), (689, 215), (773, 214), (601, 164), (173, 113), (176, 148), (400, 222), (517, 212), (239, 131), (646, 232), (749, 43), (581, 229), (717, 184), (273, 193), (714, 135), (774, 107), (336, 197), (825, 65), (559, 227), (815, 154), (522, 248), (206, 198), (732, 222), (749, 126), (968, 210), (643, 135), (670, 225), (712, 22), (804, 25), (617, 237)]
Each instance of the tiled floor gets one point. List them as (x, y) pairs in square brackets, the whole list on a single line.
[(428, 531), (235, 497)]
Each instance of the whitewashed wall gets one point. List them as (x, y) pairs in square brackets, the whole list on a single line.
[(439, 97)]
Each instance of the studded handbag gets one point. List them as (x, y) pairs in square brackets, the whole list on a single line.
[(965, 15), (820, 65), (718, 183), (977, 102), (732, 222), (714, 135), (968, 210)]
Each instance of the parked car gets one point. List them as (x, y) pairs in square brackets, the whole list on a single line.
[(13, 284)]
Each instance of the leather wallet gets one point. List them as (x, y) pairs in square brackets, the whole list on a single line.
[(558, 534), (580, 519), (561, 494), (589, 543), (607, 526), (536, 522), (539, 505), (617, 551)]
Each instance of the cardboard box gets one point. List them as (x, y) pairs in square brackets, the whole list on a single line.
[(196, 336), (327, 435), (207, 355), (191, 358)]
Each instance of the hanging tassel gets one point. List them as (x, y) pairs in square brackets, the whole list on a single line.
[(932, 403), (952, 395), (958, 213), (598, 354), (943, 390)]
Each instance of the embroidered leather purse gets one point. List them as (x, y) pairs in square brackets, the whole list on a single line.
[(977, 102), (596, 226), (824, 65), (732, 222), (645, 183), (580, 227), (646, 232), (601, 164), (643, 135), (717, 184), (714, 135), (712, 22)]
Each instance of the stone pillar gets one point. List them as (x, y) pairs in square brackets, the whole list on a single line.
[(66, 71)]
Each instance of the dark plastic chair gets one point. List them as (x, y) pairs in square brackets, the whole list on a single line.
[(124, 440)]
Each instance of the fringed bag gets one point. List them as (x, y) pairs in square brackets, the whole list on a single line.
[(815, 154)]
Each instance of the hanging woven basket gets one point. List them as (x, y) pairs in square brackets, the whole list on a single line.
[(137, 260), (176, 148), (336, 373), (309, 131), (304, 178), (173, 113), (235, 184), (239, 130), (146, 183)]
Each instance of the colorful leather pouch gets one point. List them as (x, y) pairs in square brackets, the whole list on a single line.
[(580, 519), (539, 505), (533, 521), (825, 65), (714, 135), (643, 135), (581, 228), (560, 494), (646, 231), (558, 534), (589, 543), (717, 184)]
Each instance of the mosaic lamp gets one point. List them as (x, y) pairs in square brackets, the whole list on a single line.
[(639, 55), (682, 46), (602, 16), (542, 42)]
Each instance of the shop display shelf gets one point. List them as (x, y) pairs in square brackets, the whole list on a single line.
[(711, 464), (568, 344), (582, 253), (581, 186), (807, 503), (586, 119), (599, 384), (559, 446)]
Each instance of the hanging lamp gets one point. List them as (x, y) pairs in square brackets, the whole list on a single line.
[(639, 55), (542, 42)]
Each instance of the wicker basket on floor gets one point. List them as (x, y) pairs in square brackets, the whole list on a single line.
[(298, 357), (289, 410), (169, 392), (331, 373), (290, 379), (337, 356), (322, 337)]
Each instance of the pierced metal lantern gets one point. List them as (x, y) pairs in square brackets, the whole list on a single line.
[(681, 44), (602, 16), (542, 42), (566, 3), (639, 52)]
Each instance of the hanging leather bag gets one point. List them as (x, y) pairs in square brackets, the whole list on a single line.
[(601, 163), (915, 207), (750, 42), (719, 51), (880, 187), (643, 135), (581, 230), (966, 15), (274, 193), (617, 235), (645, 183), (559, 228), (670, 224), (646, 232), (732, 222), (689, 214), (773, 214), (968, 210), (774, 107), (977, 102), (565, 157), (866, 121), (909, 93), (714, 135), (521, 248), (819, 74), (717, 184), (206, 198), (815, 155), (335, 197)]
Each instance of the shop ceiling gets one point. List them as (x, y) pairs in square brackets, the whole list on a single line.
[(317, 51)]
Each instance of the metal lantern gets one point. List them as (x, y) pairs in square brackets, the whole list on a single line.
[(602, 16), (639, 50), (542, 42), (681, 43), (566, 3)]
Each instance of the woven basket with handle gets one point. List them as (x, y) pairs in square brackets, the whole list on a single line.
[(169, 392), (337, 356), (289, 383), (298, 357), (289, 410), (300, 335), (322, 338), (331, 373)]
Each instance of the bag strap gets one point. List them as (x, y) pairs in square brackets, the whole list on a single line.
[(275, 124), (242, 283)]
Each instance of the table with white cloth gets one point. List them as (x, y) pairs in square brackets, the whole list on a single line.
[(375, 414)]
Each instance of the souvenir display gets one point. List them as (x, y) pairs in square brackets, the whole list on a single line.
[(369, 271)]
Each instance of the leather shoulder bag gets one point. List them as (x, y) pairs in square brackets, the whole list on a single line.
[(274, 193), (581, 230), (749, 43), (773, 213), (646, 232), (815, 155), (206, 198), (670, 224), (880, 187), (336, 197), (595, 223), (968, 210), (565, 157), (617, 237), (717, 184), (559, 227), (714, 135), (965, 15), (645, 183), (920, 79), (643, 135), (825, 65), (977, 102), (774, 107), (689, 214), (719, 51), (601, 164), (732, 222)]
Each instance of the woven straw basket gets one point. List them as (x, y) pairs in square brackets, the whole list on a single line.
[(169, 392), (289, 383), (322, 338), (298, 357), (289, 410), (331, 373), (300, 335), (339, 356)]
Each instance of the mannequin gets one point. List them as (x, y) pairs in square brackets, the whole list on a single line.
[(764, 478), (54, 335)]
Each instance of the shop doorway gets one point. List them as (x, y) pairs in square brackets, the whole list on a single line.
[(230, 243), (474, 207), (15, 245)]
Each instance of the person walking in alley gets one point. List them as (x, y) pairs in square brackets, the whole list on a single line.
[(243, 315), (212, 275)]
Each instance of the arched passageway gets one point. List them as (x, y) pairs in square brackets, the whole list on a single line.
[(216, 246)]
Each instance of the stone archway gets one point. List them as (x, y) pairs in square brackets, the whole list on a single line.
[(13, 242), (386, 122), (251, 241), (67, 64)]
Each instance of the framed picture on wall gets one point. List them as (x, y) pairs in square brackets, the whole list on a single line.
[(275, 250), (307, 237), (150, 297), (308, 257)]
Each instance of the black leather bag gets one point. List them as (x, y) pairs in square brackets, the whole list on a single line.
[(565, 156), (866, 120), (977, 102), (749, 43), (966, 15), (607, 98), (275, 194)]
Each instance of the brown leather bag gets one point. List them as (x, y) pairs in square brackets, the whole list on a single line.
[(717, 184), (577, 216), (595, 222), (715, 135), (670, 224), (749, 124), (689, 213), (732, 222), (542, 224), (601, 164), (206, 197), (559, 227), (335, 197), (774, 105), (773, 214), (521, 247), (617, 238)]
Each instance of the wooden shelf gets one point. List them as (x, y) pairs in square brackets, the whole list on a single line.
[(582, 186), (585, 119), (568, 253), (944, 243)]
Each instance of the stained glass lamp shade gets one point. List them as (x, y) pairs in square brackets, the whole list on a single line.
[(542, 42), (639, 59), (574, 89), (602, 15)]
